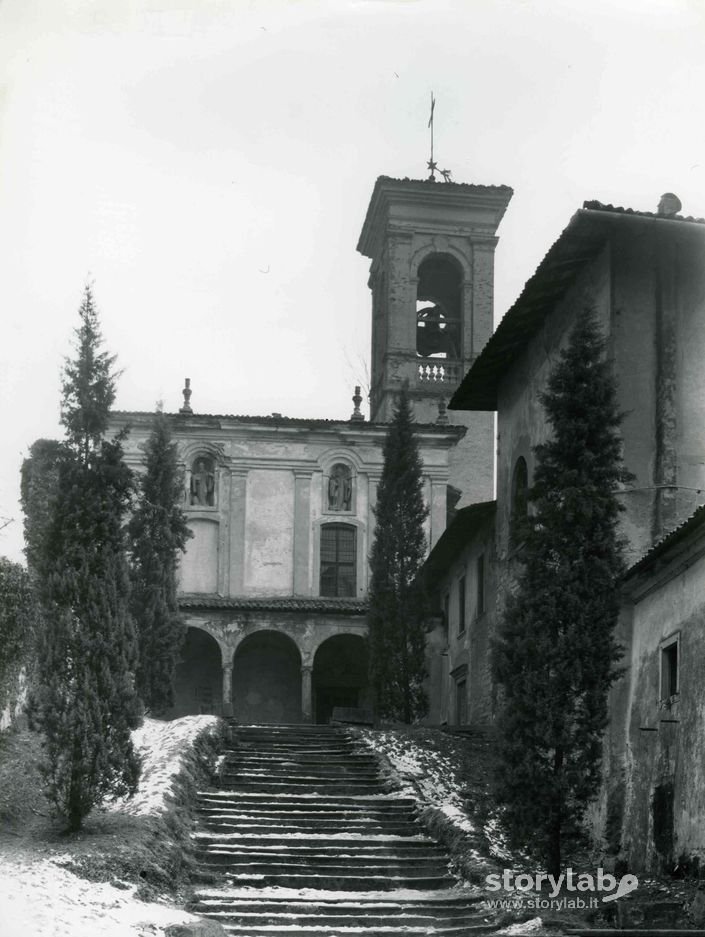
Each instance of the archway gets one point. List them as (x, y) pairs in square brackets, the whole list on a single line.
[(340, 675), (267, 679), (198, 687)]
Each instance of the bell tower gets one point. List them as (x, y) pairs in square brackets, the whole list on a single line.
[(431, 246)]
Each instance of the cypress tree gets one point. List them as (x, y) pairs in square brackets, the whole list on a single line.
[(86, 703), (39, 478), (158, 532), (398, 605), (556, 657)]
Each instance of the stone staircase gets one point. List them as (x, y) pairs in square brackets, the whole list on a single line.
[(305, 839)]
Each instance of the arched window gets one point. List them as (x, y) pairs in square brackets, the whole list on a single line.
[(520, 499), (202, 483), (338, 560), (340, 488), (439, 308)]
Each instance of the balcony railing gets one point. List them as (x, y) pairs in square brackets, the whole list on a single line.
[(438, 371)]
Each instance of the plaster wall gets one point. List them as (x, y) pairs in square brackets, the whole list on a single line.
[(465, 655), (675, 752), (521, 422), (691, 384), (198, 570), (269, 533)]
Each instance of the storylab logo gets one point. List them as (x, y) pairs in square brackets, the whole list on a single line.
[(575, 891)]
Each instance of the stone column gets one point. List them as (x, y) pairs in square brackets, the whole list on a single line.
[(228, 689), (306, 693), (302, 532)]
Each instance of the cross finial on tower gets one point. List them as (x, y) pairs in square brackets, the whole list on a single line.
[(432, 164)]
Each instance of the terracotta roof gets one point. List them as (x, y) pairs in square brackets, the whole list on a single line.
[(286, 421), (581, 240), (667, 542), (594, 205), (455, 537), (332, 606)]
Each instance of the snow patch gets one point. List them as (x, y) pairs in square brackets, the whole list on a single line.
[(161, 747), (40, 898), (522, 927)]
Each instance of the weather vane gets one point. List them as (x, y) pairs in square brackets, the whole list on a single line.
[(432, 165)]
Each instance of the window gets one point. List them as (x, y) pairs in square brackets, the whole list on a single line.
[(338, 560), (669, 669), (480, 570), (461, 605), (446, 611)]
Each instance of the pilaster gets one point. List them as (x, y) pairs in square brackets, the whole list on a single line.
[(302, 532), (238, 515)]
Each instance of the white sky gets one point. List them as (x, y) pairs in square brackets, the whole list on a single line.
[(208, 164)]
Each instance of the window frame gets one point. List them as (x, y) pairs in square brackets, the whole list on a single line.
[(462, 598), (669, 669), (337, 563), (480, 594)]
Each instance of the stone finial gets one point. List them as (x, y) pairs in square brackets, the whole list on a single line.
[(442, 411), (669, 205), (357, 400), (187, 397)]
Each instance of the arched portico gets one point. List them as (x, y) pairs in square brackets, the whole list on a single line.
[(198, 685), (266, 682), (339, 675)]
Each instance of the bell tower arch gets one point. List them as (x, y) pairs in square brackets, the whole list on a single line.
[(431, 247)]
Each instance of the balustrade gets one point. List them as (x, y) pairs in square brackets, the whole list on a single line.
[(438, 371)]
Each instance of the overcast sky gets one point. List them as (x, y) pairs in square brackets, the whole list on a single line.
[(208, 164)]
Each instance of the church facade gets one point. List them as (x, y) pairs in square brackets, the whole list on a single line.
[(274, 581)]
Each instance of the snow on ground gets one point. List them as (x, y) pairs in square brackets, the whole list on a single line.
[(40, 898), (432, 780), (427, 773), (161, 746)]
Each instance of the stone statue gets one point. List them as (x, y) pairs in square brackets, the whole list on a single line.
[(340, 488), (203, 484)]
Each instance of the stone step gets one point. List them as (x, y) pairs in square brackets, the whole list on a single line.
[(322, 828), (387, 929), (301, 767), (258, 754), (279, 845), (305, 816), (322, 787), (311, 810), (326, 882), (234, 863), (358, 802), (286, 774), (321, 913)]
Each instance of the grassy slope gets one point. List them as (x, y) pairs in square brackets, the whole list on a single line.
[(150, 850)]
